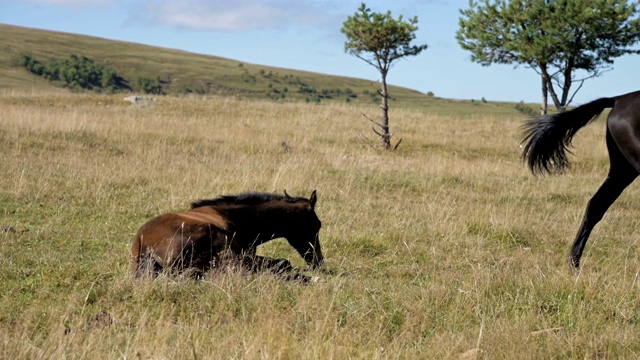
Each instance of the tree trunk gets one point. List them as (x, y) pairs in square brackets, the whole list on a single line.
[(567, 85), (384, 105), (547, 79), (545, 98)]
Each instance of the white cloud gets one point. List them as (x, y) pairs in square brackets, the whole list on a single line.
[(234, 14), (73, 2)]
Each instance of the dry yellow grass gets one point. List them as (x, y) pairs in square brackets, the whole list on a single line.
[(447, 248)]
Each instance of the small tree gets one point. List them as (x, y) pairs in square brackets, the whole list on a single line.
[(380, 40), (149, 86), (556, 38)]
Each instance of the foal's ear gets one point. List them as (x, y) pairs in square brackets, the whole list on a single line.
[(313, 199)]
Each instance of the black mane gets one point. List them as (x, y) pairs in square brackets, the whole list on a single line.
[(249, 198)]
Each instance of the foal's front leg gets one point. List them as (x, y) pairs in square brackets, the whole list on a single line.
[(281, 267), (278, 266)]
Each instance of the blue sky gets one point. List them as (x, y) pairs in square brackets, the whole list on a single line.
[(305, 35)]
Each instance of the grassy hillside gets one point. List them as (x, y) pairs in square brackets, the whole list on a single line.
[(446, 249), (183, 72)]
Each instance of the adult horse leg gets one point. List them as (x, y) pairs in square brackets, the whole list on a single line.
[(621, 174)]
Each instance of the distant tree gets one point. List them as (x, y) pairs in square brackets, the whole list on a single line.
[(24, 60), (76, 73), (380, 40), (557, 38)]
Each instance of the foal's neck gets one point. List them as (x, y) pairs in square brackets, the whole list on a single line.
[(262, 221)]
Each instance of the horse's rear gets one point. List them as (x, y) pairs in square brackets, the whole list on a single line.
[(547, 139), (179, 242)]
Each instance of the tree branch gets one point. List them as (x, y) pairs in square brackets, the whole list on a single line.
[(367, 142), (574, 93), (397, 144), (373, 121)]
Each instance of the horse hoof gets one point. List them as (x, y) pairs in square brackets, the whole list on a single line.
[(574, 263)]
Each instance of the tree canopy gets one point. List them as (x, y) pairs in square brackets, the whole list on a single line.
[(379, 39), (564, 41)]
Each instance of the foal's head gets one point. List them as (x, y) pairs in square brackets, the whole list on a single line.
[(304, 230)]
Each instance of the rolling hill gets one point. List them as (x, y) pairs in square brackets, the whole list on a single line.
[(180, 72)]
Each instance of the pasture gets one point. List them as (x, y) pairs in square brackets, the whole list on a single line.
[(445, 249)]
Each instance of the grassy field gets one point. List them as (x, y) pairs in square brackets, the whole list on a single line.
[(445, 249)]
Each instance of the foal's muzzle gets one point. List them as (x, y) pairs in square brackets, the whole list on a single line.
[(314, 258)]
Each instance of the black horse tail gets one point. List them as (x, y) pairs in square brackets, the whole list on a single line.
[(548, 137)]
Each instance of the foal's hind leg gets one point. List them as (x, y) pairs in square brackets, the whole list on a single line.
[(147, 266), (621, 174)]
